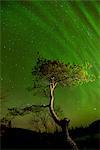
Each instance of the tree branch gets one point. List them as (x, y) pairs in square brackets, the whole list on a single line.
[(21, 111)]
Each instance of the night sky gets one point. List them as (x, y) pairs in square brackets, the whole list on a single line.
[(63, 30)]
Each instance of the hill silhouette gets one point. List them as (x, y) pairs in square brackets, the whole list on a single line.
[(16, 138)]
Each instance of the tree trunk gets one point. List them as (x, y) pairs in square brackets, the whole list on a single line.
[(62, 123)]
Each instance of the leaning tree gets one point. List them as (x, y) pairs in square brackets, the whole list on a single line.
[(48, 74)]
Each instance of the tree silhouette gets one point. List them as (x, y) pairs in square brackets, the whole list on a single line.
[(47, 74)]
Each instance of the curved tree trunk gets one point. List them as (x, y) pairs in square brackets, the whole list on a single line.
[(62, 123)]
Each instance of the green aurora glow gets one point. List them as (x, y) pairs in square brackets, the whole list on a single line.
[(64, 30)]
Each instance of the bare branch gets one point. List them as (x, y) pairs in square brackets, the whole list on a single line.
[(21, 111)]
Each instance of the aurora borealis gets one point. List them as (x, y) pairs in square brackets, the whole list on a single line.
[(63, 30)]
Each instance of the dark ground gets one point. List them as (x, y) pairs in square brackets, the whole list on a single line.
[(15, 138)]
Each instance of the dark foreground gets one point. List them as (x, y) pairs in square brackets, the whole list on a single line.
[(86, 138)]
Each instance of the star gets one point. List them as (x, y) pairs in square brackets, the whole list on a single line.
[(4, 46), (23, 68), (1, 79), (16, 65), (94, 108)]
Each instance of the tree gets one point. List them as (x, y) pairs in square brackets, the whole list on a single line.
[(47, 74)]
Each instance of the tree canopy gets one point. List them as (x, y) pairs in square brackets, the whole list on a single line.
[(64, 74)]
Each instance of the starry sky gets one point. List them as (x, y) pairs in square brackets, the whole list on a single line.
[(64, 30)]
